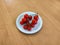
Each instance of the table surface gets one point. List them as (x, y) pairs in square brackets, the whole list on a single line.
[(49, 10)]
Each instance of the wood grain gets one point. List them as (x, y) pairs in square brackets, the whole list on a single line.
[(49, 10)]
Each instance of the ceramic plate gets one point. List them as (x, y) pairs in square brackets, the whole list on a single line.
[(37, 27)]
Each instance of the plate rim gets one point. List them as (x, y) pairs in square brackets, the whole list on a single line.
[(29, 32)]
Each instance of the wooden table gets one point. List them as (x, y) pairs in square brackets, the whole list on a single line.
[(49, 10)]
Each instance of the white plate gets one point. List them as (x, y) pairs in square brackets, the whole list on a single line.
[(37, 27)]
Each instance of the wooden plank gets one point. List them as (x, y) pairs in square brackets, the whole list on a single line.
[(49, 10)]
